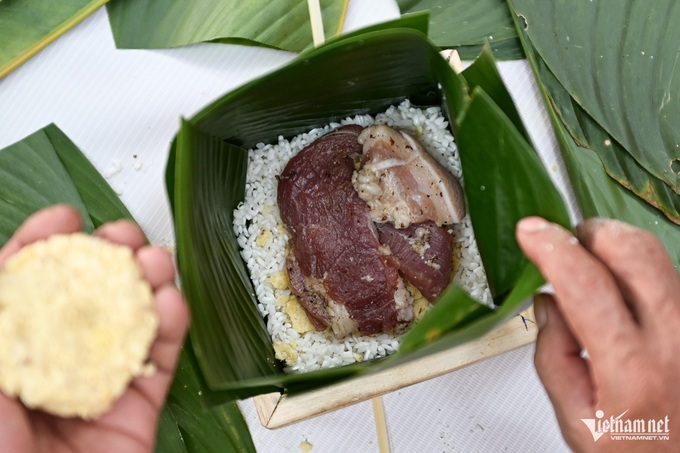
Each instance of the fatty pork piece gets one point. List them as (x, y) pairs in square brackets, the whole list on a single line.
[(340, 272), (402, 183)]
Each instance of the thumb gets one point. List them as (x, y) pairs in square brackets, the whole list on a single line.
[(59, 219), (564, 373)]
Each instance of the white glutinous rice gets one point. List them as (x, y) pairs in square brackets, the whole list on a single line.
[(262, 237)]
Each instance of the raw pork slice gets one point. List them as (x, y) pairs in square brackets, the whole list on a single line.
[(340, 272), (424, 255)]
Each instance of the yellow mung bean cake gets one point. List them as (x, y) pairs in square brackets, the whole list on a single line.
[(76, 324)]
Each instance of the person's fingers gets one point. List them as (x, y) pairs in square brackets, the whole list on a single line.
[(640, 265), (173, 315), (173, 322), (15, 429), (122, 232), (59, 219), (565, 375), (585, 290), (157, 266)]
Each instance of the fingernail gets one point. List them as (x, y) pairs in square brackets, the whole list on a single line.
[(532, 224), (540, 312)]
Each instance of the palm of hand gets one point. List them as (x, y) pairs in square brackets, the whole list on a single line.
[(130, 425)]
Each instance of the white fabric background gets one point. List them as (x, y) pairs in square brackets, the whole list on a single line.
[(124, 106)]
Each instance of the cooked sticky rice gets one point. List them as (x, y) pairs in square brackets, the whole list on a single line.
[(262, 237), (76, 324)]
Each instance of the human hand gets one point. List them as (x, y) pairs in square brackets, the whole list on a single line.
[(130, 425), (617, 295)]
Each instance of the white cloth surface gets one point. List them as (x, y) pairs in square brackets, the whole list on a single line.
[(122, 108)]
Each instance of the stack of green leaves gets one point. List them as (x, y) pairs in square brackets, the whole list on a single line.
[(27, 26), (609, 72), (280, 24), (363, 72), (47, 168)]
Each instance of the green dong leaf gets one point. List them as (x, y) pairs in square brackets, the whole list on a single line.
[(27, 26), (210, 265), (617, 162), (597, 193), (468, 24), (32, 177), (620, 61), (504, 182), (281, 24)]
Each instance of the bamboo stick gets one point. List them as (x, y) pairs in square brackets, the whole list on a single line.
[(317, 22), (381, 424), (452, 57)]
